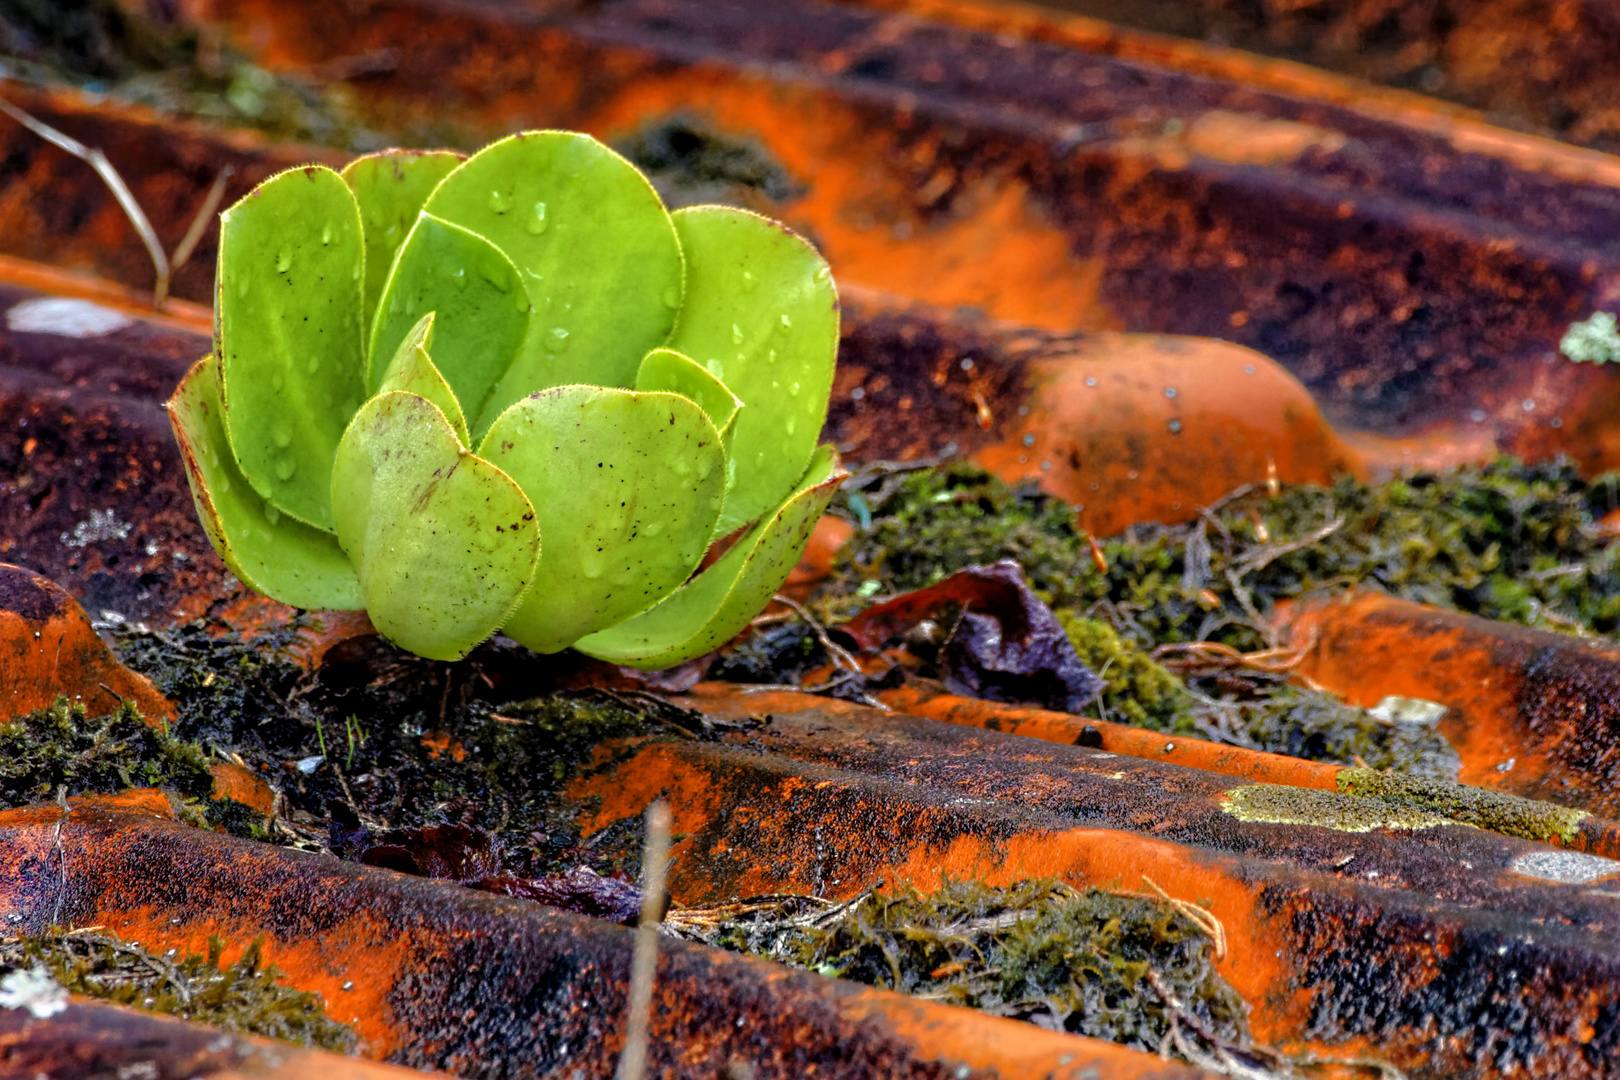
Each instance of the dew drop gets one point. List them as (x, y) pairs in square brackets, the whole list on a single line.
[(224, 485), (491, 272), (286, 467), (520, 300), (537, 222), (824, 273), (271, 514), (672, 296), (1175, 427), (242, 285), (283, 261), (591, 563), (794, 389), (282, 435), (326, 234), (717, 369), (355, 273), (314, 365), (787, 323), (705, 467), (652, 528), (749, 282), (459, 276), (736, 334), (278, 382), (499, 202), (557, 340), (791, 426)]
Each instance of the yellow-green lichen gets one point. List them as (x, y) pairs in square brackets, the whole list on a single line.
[(1510, 815), (1278, 804)]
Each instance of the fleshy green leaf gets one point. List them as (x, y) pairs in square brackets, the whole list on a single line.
[(630, 485), (669, 371), (483, 311), (596, 249), (391, 187), (272, 553), (444, 543), (716, 605), (287, 330), (761, 314), (412, 370)]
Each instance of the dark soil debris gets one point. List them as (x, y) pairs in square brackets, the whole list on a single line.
[(448, 769)]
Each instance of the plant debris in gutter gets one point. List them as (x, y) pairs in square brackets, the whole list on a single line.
[(245, 996), (1131, 968), (1175, 620)]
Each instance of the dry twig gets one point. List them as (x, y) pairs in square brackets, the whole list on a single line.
[(92, 156), (644, 961)]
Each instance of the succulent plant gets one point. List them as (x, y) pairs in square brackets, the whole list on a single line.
[(512, 391)]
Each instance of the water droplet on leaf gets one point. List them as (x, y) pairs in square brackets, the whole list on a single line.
[(537, 222), (283, 261), (736, 334), (286, 467), (282, 435), (499, 202), (787, 323), (672, 297), (491, 272), (242, 285), (824, 273), (271, 514), (557, 340), (717, 369), (749, 282), (326, 234), (794, 389), (277, 382)]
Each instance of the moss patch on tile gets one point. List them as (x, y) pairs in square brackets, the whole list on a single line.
[(64, 747), (1066, 959), (1510, 815), (246, 996)]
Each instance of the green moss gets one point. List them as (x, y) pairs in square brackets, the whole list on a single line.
[(1137, 690), (62, 746), (1509, 815), (246, 996), (1277, 804), (1066, 959), (1504, 540)]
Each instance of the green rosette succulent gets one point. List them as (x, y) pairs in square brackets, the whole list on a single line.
[(512, 392)]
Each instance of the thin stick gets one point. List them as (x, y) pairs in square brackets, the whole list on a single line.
[(126, 199), (199, 224), (644, 962)]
